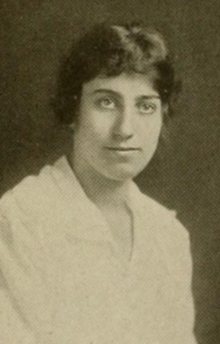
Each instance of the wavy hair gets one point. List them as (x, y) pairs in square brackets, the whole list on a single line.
[(110, 50)]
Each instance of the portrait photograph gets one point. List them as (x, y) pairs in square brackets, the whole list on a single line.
[(110, 172)]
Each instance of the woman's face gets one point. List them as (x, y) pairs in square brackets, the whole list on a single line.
[(120, 120)]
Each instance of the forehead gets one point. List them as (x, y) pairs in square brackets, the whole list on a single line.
[(123, 84)]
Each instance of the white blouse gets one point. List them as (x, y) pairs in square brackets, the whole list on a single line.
[(62, 280)]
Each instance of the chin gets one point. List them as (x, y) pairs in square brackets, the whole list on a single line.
[(123, 175)]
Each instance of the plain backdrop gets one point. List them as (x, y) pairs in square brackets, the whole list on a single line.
[(184, 175)]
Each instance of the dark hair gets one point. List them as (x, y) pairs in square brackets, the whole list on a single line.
[(110, 50)]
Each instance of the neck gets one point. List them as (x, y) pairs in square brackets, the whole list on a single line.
[(103, 191)]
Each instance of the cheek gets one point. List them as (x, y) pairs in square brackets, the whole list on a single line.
[(150, 132), (92, 131), (98, 128)]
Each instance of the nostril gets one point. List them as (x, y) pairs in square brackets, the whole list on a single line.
[(122, 135)]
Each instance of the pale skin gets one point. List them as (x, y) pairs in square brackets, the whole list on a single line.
[(120, 121)]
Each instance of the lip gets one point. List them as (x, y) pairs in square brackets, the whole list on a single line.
[(123, 149)]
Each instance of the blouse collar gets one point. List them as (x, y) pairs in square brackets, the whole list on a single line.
[(90, 223)]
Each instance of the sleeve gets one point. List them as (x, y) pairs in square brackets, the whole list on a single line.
[(14, 329), (178, 246), (25, 303)]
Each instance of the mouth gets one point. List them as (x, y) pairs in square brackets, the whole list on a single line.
[(123, 149)]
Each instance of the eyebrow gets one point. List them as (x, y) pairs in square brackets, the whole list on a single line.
[(106, 90)]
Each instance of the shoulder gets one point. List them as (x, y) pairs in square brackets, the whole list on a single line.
[(163, 218), (27, 214), (169, 234), (26, 197)]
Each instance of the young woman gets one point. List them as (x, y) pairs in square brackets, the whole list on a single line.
[(85, 257)]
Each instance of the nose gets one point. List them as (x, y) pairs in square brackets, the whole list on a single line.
[(123, 128)]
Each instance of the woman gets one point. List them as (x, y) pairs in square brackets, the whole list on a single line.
[(85, 256)]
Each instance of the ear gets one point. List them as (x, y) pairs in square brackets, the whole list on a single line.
[(165, 109), (166, 113), (72, 126)]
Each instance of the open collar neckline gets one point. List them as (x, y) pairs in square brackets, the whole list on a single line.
[(94, 226)]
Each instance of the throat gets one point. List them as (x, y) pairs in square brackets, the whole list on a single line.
[(111, 197), (121, 224), (103, 191)]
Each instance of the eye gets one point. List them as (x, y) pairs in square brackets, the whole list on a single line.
[(147, 107), (107, 103)]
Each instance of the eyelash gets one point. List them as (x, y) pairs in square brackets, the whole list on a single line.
[(151, 108), (112, 104), (102, 103)]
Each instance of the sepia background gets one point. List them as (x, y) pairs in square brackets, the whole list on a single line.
[(185, 173)]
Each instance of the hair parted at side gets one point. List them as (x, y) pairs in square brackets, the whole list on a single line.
[(110, 50)]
